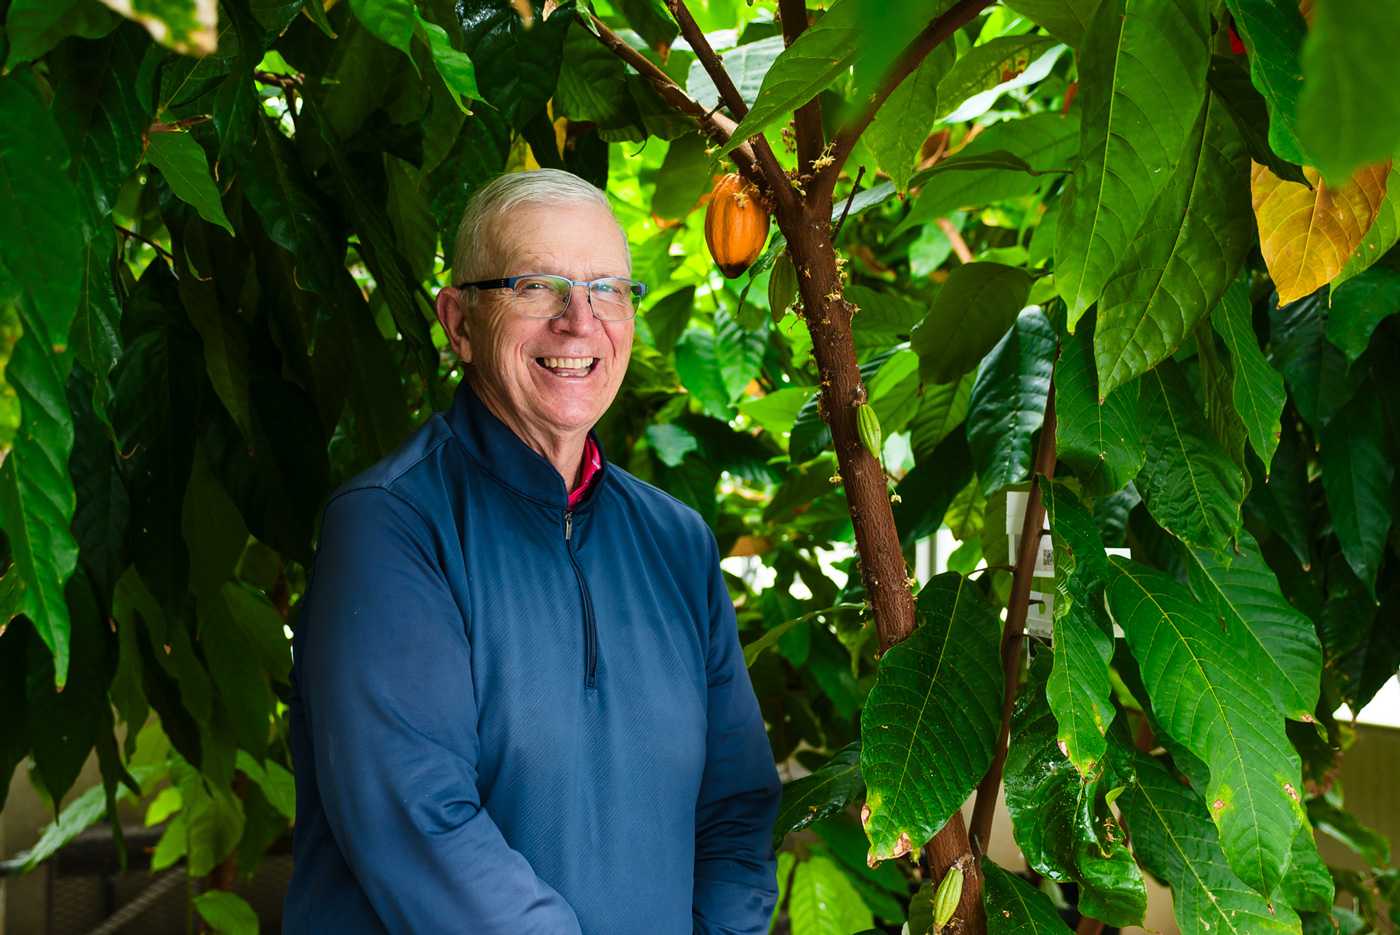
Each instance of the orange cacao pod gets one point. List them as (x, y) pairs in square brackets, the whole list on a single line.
[(736, 225)]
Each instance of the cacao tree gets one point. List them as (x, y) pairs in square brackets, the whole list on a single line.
[(1122, 270)]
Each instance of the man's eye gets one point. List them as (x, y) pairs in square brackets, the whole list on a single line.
[(605, 287)]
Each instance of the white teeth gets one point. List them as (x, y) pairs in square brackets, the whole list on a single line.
[(567, 363)]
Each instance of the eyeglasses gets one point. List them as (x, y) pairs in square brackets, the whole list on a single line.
[(547, 296)]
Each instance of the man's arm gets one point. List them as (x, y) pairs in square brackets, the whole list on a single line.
[(735, 868), (387, 685)]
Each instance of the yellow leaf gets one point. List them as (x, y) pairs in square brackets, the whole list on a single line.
[(1307, 236)]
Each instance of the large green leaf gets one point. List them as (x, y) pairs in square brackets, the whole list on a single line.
[(824, 50), (1280, 642), (902, 123), (1190, 485), (1014, 907), (1349, 108), (214, 531), (1099, 437), (1189, 249), (238, 679), (95, 336), (1273, 32), (1359, 305), (593, 87), (1308, 884), (1007, 403), (968, 317), (391, 21), (517, 65), (1357, 474), (1057, 813), (226, 912), (1213, 700), (1258, 388), (1078, 688), (985, 66), (930, 723), (1382, 234), (1174, 838), (739, 353), (1241, 99), (1282, 497), (747, 65), (33, 27), (941, 410), (682, 179), (100, 514), (1063, 19), (182, 162), (823, 901), (825, 791), (1143, 71), (456, 70), (1316, 371)]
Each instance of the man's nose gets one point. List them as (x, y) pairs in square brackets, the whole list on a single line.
[(578, 315)]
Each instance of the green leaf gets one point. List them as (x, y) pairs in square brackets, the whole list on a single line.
[(1056, 812), (682, 179), (985, 66), (1315, 370), (942, 409), (593, 87), (930, 723), (823, 901), (95, 336), (1007, 404), (1175, 840), (517, 66), (931, 487), (1273, 32), (1213, 701), (738, 352), (1078, 688), (902, 123), (33, 27), (1258, 388), (968, 317), (456, 69), (213, 529), (1357, 475), (1279, 642), (263, 627), (1063, 19), (824, 50), (697, 364), (1359, 305), (1100, 440), (1382, 234), (86, 809), (187, 26), (1327, 815), (1191, 487), (391, 21), (777, 411), (1241, 100), (1349, 109), (1143, 72), (747, 65), (826, 791), (894, 391), (1308, 884), (1013, 906), (1192, 242), (101, 510), (883, 319), (182, 162), (238, 679), (226, 913)]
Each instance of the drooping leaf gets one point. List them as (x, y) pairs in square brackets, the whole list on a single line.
[(1357, 475), (968, 317), (517, 66), (1307, 236), (823, 901), (902, 123), (929, 725), (593, 87), (213, 530), (182, 162), (1063, 19), (1190, 485), (238, 680), (391, 21), (1059, 817), (1007, 404), (1143, 73), (739, 354), (1014, 907), (33, 27), (1328, 816), (1192, 243), (1174, 838), (456, 70), (1258, 388), (985, 66), (101, 510), (1316, 372), (1212, 701), (1216, 379), (1100, 440), (1349, 109), (1241, 99), (1273, 33), (227, 913), (826, 791), (1358, 306), (1078, 688), (941, 410), (1308, 885)]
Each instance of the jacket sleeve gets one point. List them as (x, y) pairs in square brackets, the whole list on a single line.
[(386, 684), (735, 867)]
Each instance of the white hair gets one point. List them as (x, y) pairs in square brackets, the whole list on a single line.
[(473, 249)]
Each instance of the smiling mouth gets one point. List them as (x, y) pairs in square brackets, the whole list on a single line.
[(568, 366)]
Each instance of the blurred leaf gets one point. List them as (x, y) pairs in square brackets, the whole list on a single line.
[(1330, 818), (1063, 19), (683, 178), (975, 307), (984, 67), (214, 530), (739, 353), (1142, 79), (1007, 403), (669, 316), (1357, 476), (941, 410), (823, 792), (902, 123), (1316, 372), (101, 509), (1258, 389), (1101, 441), (517, 66), (697, 362), (33, 27), (1358, 305), (776, 411), (822, 900), (939, 692), (1013, 906), (966, 515), (747, 66), (227, 913), (187, 26), (930, 488), (1229, 82), (391, 21)]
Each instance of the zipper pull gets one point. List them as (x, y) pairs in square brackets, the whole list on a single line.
[(568, 524)]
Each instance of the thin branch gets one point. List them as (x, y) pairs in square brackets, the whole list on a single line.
[(954, 238), (980, 829), (179, 125), (807, 119), (847, 210), (937, 32), (277, 81), (170, 257), (693, 34)]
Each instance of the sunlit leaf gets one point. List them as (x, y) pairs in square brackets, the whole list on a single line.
[(902, 124), (187, 26), (1273, 33), (1258, 388), (823, 901), (985, 66), (1100, 438)]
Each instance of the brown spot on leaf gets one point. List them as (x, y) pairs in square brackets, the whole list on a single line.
[(1218, 805), (864, 815), (903, 845), (1292, 793)]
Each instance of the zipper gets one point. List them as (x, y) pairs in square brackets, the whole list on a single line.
[(590, 626)]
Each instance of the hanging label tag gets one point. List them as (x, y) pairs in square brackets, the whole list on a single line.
[(1040, 620)]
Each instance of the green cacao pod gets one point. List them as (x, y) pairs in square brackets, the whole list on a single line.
[(782, 287), (945, 901), (869, 425)]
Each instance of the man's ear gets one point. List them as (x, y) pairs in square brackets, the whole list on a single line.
[(452, 315)]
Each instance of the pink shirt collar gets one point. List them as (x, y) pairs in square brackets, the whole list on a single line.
[(592, 464)]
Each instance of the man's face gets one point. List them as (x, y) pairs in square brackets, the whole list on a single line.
[(547, 379)]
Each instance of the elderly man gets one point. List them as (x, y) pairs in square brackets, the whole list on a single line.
[(519, 703)]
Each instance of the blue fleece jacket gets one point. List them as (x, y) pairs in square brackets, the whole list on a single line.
[(509, 718)]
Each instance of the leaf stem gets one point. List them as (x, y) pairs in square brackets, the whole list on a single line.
[(170, 257)]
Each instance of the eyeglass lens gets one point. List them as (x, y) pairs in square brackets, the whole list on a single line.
[(548, 296)]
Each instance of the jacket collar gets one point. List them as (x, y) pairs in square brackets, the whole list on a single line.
[(498, 451)]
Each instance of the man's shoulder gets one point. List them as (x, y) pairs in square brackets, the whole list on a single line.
[(404, 472), (656, 505)]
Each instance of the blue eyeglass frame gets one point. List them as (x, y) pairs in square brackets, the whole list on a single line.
[(639, 289)]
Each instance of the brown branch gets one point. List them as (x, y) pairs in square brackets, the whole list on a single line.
[(1089, 926), (694, 35), (179, 125), (847, 210), (937, 32), (954, 238), (170, 257), (807, 119), (1017, 606), (275, 80)]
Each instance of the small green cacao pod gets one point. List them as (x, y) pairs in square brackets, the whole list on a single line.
[(945, 901), (869, 424), (782, 287)]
